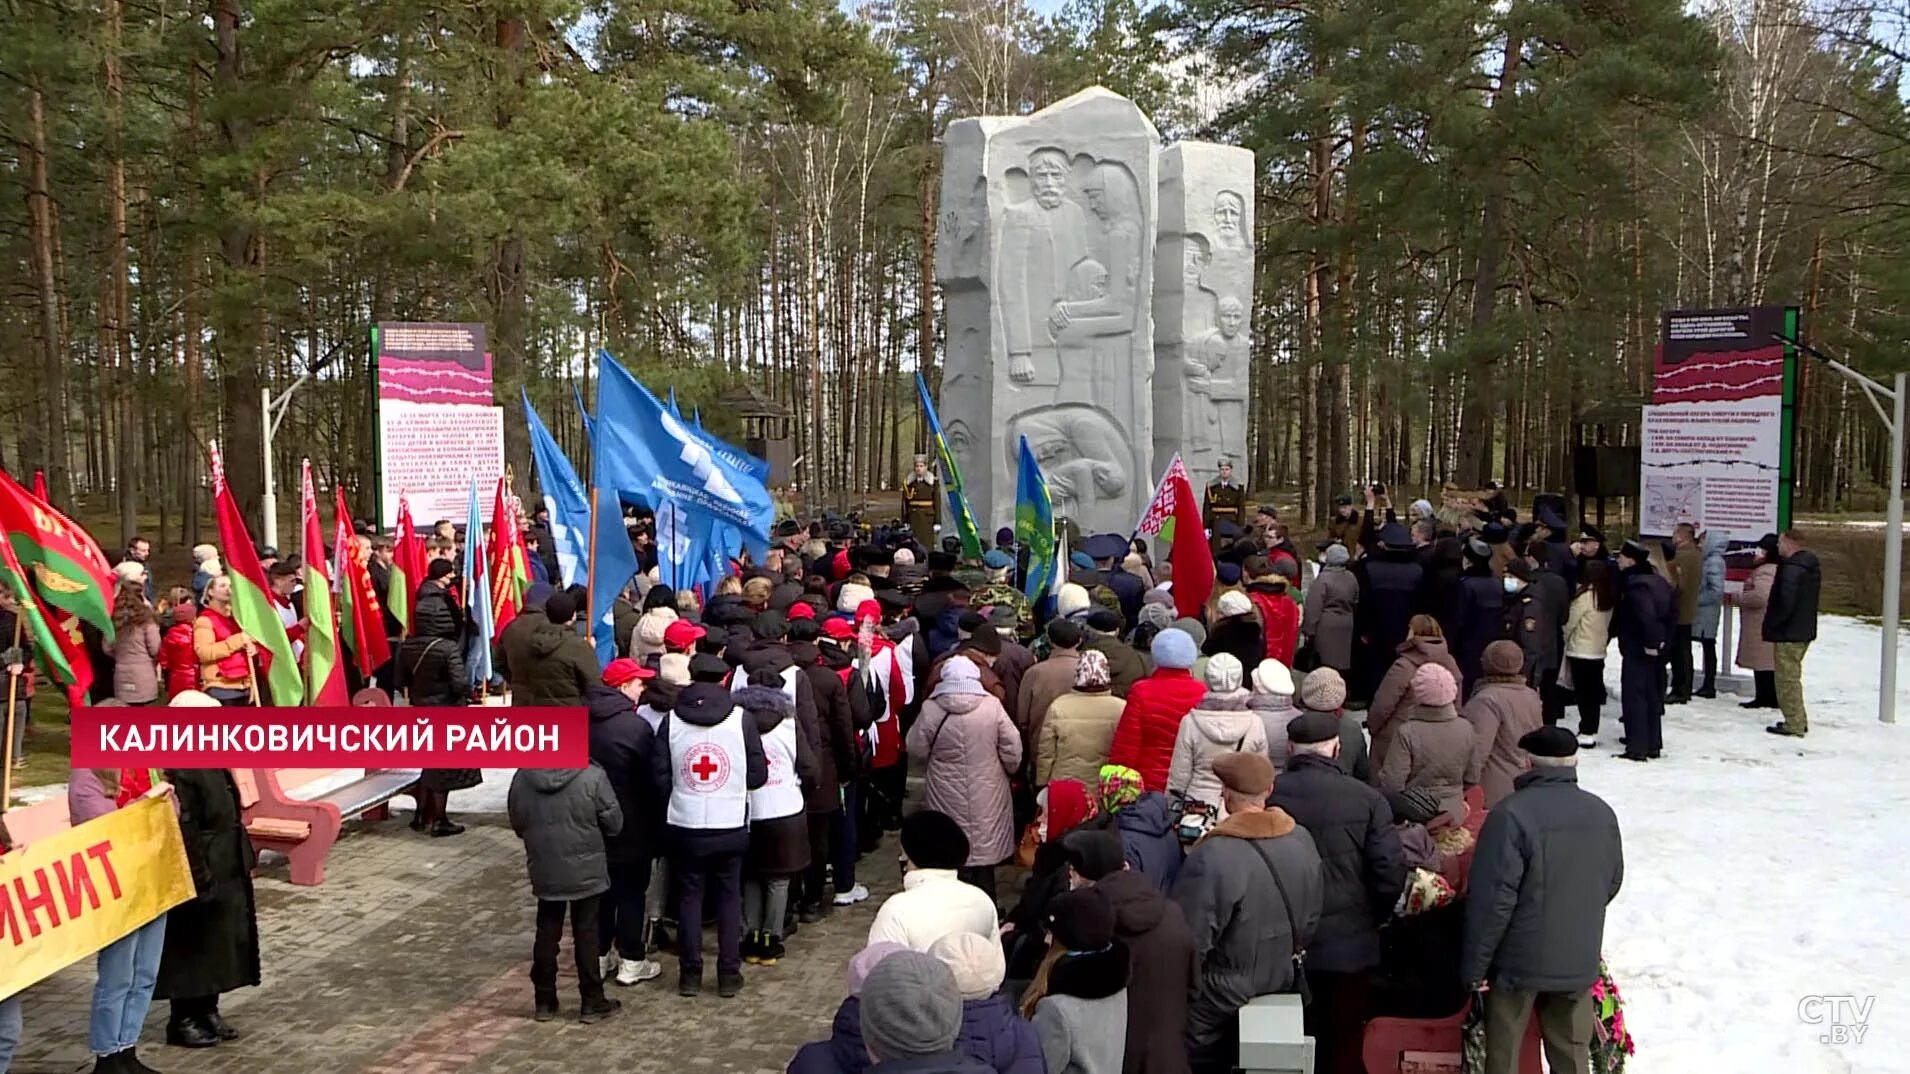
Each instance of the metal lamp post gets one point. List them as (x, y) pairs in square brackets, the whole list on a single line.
[(271, 413)]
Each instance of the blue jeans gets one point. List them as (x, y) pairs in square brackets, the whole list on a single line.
[(9, 1030), (124, 991)]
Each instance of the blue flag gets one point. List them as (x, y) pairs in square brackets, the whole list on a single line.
[(951, 478), (675, 412), (1034, 525), (477, 594), (564, 498), (582, 410), (735, 456)]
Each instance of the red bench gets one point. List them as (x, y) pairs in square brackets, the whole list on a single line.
[(1432, 1045), (283, 814)]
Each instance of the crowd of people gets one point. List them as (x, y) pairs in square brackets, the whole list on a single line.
[(1345, 777)]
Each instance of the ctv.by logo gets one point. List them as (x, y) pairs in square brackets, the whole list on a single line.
[(1845, 1019)]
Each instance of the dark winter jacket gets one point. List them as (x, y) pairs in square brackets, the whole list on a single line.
[(1548, 861), (1245, 934), (1444, 566), (1646, 611), (1161, 954), (1363, 871), (1130, 590), (435, 615), (952, 1062), (843, 1053), (513, 656), (431, 671), (835, 736), (1240, 636), (1148, 840), (1125, 666), (994, 1033), (1390, 584), (564, 816), (212, 941), (1556, 556), (1791, 614), (1478, 620), (620, 743), (563, 667), (778, 846), (1535, 618), (707, 704), (1686, 567)]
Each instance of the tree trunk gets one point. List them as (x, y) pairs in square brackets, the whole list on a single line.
[(510, 282), (119, 308), (1475, 425), (58, 460)]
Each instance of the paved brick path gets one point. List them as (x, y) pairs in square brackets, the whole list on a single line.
[(413, 958)]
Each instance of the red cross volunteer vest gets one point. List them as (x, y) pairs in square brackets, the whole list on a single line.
[(709, 786), (781, 795)]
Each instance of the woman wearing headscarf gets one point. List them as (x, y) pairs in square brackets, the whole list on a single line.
[(969, 747), (1080, 725), (1145, 824)]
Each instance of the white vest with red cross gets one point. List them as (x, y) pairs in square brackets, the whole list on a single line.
[(709, 781), (781, 795)]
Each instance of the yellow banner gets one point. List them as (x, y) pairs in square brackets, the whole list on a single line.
[(66, 897)]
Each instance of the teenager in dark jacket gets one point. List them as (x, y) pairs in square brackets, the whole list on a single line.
[(563, 664), (565, 816), (1362, 874), (1549, 860), (1160, 952), (1390, 582), (1478, 615), (1790, 624), (778, 823), (621, 742), (1646, 613)]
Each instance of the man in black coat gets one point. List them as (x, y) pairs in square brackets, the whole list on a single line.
[(1642, 624), (621, 743), (1390, 582), (212, 941), (1549, 860), (1363, 872), (1535, 618), (1790, 625)]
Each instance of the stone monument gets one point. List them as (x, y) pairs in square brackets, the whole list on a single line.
[(1203, 304), (1046, 259)]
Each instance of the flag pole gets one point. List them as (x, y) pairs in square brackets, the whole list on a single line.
[(252, 677), (590, 574), (13, 701)]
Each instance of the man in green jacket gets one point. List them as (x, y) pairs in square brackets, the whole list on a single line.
[(562, 662)]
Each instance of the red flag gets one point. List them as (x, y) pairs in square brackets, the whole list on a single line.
[(39, 486), (509, 563), (407, 566), (359, 617), (324, 672), (1193, 561)]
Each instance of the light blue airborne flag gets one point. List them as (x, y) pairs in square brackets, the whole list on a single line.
[(951, 479), (477, 594), (564, 498), (1034, 525), (582, 410)]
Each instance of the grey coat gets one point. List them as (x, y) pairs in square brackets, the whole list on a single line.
[(1711, 588), (1328, 617), (1501, 713), (1434, 751), (1082, 1036), (1549, 860), (564, 815), (1245, 935)]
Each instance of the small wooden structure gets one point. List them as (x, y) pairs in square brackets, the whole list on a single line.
[(1605, 454), (766, 429)]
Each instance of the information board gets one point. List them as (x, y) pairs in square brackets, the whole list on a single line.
[(437, 424)]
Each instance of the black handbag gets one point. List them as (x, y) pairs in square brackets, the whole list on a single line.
[(1300, 986)]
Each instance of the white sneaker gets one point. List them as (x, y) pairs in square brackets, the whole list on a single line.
[(1587, 742), (852, 896), (607, 965), (637, 971)]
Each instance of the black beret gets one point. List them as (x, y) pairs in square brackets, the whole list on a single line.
[(1309, 728), (1554, 741), (985, 640), (1064, 633), (1104, 620), (707, 667)]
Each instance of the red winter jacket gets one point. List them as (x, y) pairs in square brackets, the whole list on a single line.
[(1280, 618), (1144, 739), (177, 660)]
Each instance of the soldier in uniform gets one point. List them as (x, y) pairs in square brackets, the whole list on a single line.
[(1225, 501), (999, 592), (918, 502)]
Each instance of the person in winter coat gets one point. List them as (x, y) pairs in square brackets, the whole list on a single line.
[(1332, 609), (1478, 615), (659, 611), (563, 663), (1790, 625), (621, 744), (1362, 874), (837, 749), (1220, 724), (512, 651), (136, 646), (1393, 702), (1150, 724), (129, 966), (1052, 678), (1685, 571), (1074, 739), (1710, 609), (993, 1031), (1588, 630), (212, 941), (225, 652), (1237, 630), (968, 748), (708, 757), (430, 669), (1272, 700), (1502, 711), (1390, 581), (1272, 596), (845, 1052), (565, 816), (1160, 952), (778, 821), (1756, 655), (911, 1012), (1434, 749), (1251, 892), (1103, 633), (1078, 1001), (1647, 611), (178, 664), (1324, 691), (1145, 824), (934, 900), (1535, 618), (1549, 861), (1062, 807)]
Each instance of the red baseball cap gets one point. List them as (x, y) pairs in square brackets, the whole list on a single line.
[(838, 628), (624, 670), (682, 634), (802, 609)]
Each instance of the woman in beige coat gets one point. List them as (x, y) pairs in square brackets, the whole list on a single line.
[(1079, 727), (1502, 710), (1393, 702), (1755, 654)]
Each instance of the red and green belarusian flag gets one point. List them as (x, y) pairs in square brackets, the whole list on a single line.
[(252, 605), (407, 566), (59, 576), (324, 671), (360, 622), (510, 559)]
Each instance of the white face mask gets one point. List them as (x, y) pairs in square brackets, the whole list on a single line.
[(1511, 585)]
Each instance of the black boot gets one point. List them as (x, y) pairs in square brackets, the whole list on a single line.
[(219, 1025), (109, 1064), (190, 1033), (598, 1008), (546, 1008), (444, 826), (131, 1064), (1710, 686), (689, 982)]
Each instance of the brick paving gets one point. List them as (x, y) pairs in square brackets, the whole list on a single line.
[(414, 957)]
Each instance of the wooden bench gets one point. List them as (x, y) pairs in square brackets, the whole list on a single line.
[(298, 812), (1432, 1045)]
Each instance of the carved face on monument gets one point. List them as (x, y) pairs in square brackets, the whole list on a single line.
[(1230, 318), (1196, 260), (1048, 171), (1229, 210)]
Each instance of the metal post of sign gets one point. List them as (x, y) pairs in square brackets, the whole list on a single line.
[(271, 413)]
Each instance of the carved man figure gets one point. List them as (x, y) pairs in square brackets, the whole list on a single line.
[(1041, 243)]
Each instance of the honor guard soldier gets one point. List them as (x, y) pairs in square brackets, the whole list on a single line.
[(918, 502), (1226, 501)]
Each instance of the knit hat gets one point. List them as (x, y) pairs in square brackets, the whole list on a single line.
[(959, 676), (1227, 573), (1336, 555), (976, 961), (1323, 690), (1070, 598), (1270, 676), (1554, 741), (1234, 602), (1064, 633), (674, 668), (1503, 658), (1094, 853), (1249, 774), (1192, 627), (904, 557), (867, 959), (1433, 686), (1092, 672), (911, 1007), (851, 596), (1158, 595), (1158, 616), (933, 840), (1223, 673), (1066, 804), (1081, 920), (1120, 787), (1173, 648)]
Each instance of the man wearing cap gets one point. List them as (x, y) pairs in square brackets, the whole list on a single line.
[(1642, 623), (1049, 679), (919, 494), (1000, 592), (1102, 630), (621, 742), (1548, 862), (1108, 550), (1548, 547), (1364, 871), (1225, 500), (561, 663), (1251, 892)]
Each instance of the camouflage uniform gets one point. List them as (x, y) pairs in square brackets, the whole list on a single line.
[(973, 578), (997, 594)]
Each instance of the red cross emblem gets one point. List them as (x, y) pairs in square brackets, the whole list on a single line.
[(705, 768)]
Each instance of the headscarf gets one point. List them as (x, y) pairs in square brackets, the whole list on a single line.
[(1121, 787), (1092, 672), (959, 676), (1065, 804)]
